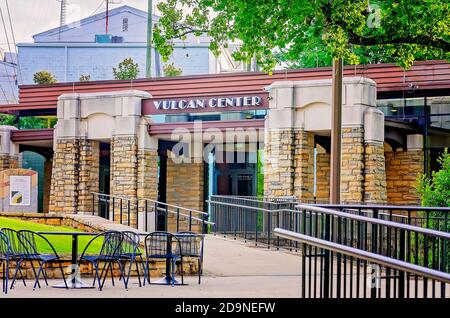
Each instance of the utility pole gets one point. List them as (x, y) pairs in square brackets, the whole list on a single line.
[(148, 69), (62, 16), (336, 129), (107, 16)]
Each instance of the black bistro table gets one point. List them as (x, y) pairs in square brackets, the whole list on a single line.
[(167, 279), (75, 282)]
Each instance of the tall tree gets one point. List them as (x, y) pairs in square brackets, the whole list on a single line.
[(274, 31)]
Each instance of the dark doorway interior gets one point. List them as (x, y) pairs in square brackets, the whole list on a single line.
[(104, 176)]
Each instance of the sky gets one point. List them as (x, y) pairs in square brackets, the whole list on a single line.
[(30, 17)]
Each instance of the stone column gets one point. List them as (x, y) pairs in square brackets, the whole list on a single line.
[(89, 170), (9, 152), (322, 176), (278, 163), (65, 176), (374, 160), (352, 165), (47, 184), (185, 187), (147, 164), (403, 167), (303, 165), (124, 174)]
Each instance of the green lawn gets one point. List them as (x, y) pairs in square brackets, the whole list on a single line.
[(61, 243)]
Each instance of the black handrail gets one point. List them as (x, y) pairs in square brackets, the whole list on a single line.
[(131, 211)]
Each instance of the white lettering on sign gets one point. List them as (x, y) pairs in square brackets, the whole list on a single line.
[(214, 102)]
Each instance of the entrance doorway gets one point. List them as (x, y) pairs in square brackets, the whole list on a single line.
[(104, 178)]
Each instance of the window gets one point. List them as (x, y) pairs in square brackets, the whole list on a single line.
[(125, 25)]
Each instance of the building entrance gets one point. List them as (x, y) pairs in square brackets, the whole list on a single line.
[(104, 177)]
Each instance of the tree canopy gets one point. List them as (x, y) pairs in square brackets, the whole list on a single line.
[(126, 70), (44, 77), (311, 31)]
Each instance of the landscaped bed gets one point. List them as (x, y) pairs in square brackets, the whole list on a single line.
[(61, 243)]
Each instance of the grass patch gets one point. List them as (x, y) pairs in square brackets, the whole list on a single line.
[(61, 243)]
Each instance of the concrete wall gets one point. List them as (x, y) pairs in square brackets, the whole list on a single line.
[(68, 61)]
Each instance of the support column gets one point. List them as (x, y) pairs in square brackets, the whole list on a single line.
[(65, 173), (304, 165), (322, 176), (124, 173), (374, 160), (352, 165), (185, 187), (9, 153), (278, 162), (47, 184), (89, 171), (403, 167)]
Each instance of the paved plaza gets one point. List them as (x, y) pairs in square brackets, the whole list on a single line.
[(232, 269)]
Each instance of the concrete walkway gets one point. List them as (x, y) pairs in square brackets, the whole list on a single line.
[(231, 269)]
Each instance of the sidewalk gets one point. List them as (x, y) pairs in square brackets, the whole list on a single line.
[(231, 269)]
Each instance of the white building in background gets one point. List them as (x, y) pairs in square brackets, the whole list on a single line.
[(82, 48), (8, 78)]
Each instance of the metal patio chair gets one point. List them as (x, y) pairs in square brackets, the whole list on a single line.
[(5, 258), (130, 252), (192, 246), (109, 254), (27, 240), (163, 245), (15, 254)]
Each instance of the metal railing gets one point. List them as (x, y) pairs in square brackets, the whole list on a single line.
[(314, 285), (149, 215), (429, 217)]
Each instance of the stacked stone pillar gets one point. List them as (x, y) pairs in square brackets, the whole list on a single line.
[(83, 121), (403, 167), (301, 110), (303, 165), (278, 162), (9, 153)]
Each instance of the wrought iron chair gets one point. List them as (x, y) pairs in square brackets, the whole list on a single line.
[(27, 240), (130, 252), (109, 254), (5, 257), (15, 255), (163, 245), (192, 246)]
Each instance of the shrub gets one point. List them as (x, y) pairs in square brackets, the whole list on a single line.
[(44, 77)]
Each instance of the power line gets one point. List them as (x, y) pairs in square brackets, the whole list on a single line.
[(14, 41), (9, 47)]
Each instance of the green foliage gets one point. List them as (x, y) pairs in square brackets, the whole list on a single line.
[(435, 191), (44, 77), (126, 70), (260, 173), (85, 78), (7, 120), (32, 123), (62, 244), (311, 33), (171, 70)]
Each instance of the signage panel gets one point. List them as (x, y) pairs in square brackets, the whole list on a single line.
[(217, 103)]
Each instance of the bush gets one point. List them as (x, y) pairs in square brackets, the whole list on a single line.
[(435, 190), (85, 78), (127, 69), (171, 70), (44, 77)]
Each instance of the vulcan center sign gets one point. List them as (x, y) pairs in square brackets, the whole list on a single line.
[(214, 102), (193, 104)]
